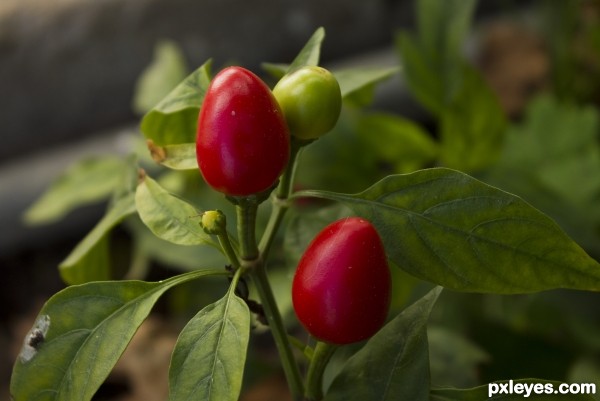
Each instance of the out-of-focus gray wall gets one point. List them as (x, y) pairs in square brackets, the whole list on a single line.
[(68, 67)]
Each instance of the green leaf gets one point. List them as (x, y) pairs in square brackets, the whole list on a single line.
[(472, 127), (394, 364), (176, 157), (433, 60), (208, 360), (454, 360), (276, 70), (174, 119), (169, 217), (87, 181), (397, 141), (449, 228), (536, 387), (552, 160), (167, 69), (558, 144), (585, 370), (443, 26), (421, 78), (180, 257), (355, 79), (338, 151), (310, 53), (89, 326), (89, 261)]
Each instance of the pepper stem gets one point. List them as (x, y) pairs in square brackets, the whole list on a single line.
[(314, 380)]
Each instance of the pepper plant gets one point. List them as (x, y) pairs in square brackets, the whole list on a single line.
[(436, 226)]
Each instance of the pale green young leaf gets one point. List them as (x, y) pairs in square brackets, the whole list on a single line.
[(399, 142), (482, 392), (209, 357), (167, 69), (276, 70), (177, 157), (87, 181), (310, 53), (174, 119), (394, 363), (93, 264), (169, 217), (355, 79), (89, 261), (88, 328), (451, 229)]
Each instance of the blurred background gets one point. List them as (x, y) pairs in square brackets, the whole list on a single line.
[(69, 75)]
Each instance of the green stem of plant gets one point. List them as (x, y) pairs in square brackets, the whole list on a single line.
[(280, 201), (314, 380), (290, 366), (285, 183), (246, 225), (278, 211), (228, 249), (259, 276)]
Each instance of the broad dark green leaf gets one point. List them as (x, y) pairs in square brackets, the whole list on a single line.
[(528, 389), (472, 127), (394, 364), (168, 68), (174, 119), (398, 142), (449, 228), (176, 157), (354, 79), (87, 181), (311, 52), (87, 327), (169, 217), (209, 357), (89, 261)]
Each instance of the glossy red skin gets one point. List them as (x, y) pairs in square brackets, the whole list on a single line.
[(342, 287), (243, 142)]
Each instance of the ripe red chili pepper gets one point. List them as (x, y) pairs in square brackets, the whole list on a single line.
[(243, 143), (342, 287)]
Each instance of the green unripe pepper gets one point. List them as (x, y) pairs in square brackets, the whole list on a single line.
[(310, 99)]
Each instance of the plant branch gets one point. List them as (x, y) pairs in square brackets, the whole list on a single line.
[(314, 380), (246, 211), (290, 366)]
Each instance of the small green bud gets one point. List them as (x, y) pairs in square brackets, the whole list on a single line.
[(213, 222)]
